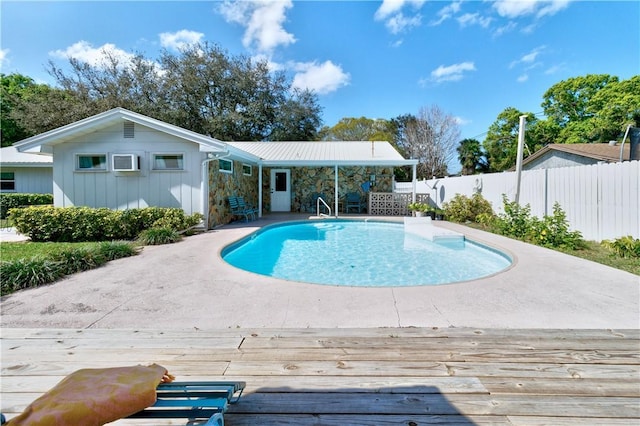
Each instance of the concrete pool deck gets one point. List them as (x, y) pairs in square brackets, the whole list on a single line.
[(187, 286)]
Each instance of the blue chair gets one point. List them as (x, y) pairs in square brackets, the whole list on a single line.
[(193, 401), (237, 210), (353, 200), (247, 208)]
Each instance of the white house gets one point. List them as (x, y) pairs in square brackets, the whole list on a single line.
[(24, 172), (120, 160)]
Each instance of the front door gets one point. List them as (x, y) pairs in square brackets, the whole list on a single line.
[(280, 190)]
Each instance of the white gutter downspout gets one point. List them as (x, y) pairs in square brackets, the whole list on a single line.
[(335, 190), (204, 184)]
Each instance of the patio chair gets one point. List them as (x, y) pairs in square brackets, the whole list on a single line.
[(353, 201), (193, 401), (248, 208), (238, 210)]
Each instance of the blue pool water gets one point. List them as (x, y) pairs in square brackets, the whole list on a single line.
[(362, 254)]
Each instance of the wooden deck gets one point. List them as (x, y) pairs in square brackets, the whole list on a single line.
[(383, 376)]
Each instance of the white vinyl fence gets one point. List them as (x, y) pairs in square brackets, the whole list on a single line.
[(602, 201)]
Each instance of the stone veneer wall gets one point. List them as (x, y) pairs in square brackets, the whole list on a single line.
[(307, 180), (222, 185)]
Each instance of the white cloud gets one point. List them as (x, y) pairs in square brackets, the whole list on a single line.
[(322, 78), (85, 52), (452, 72), (447, 12), (180, 40), (474, 19), (396, 21), (523, 78), (529, 58), (263, 21), (3, 57), (399, 23), (505, 29), (539, 8)]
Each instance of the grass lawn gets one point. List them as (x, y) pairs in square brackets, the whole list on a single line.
[(28, 249), (595, 252)]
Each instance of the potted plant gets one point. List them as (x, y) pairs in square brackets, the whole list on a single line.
[(418, 209), (439, 214)]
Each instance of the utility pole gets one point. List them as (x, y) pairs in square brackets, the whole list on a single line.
[(523, 123)]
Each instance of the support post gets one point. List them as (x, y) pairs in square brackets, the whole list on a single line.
[(523, 122), (335, 190)]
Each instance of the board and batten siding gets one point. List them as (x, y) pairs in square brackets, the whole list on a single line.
[(31, 180), (126, 190)]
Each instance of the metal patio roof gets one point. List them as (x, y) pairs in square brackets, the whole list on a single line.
[(324, 153)]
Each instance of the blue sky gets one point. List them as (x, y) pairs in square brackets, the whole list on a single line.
[(378, 59)]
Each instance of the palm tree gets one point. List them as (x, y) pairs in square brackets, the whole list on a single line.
[(471, 156)]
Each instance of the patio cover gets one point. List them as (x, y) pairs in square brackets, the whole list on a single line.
[(324, 153)]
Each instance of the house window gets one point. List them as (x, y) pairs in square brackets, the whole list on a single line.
[(226, 166), (247, 170), (91, 162), (7, 181), (168, 162)]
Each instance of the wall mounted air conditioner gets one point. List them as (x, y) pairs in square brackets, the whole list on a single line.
[(124, 162)]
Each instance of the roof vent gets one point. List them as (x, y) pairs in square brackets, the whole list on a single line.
[(129, 130)]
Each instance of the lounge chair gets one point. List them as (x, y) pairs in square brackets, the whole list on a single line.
[(248, 208), (238, 210), (353, 201), (193, 401)]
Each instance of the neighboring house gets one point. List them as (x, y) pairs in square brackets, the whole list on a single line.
[(25, 173), (120, 159), (574, 154)]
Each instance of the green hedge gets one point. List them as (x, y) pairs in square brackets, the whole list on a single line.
[(76, 224), (11, 200)]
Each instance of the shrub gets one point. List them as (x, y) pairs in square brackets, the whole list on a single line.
[(74, 224), (78, 259), (550, 231), (624, 246), (553, 231), (464, 209), (158, 236), (33, 272), (112, 250), (516, 220), (13, 200), (24, 273)]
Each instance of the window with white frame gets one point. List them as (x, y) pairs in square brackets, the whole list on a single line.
[(7, 181), (168, 161), (247, 170), (91, 162), (226, 166)]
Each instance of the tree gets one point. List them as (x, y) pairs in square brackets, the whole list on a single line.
[(501, 143), (13, 87), (431, 138), (360, 129), (202, 88), (581, 108), (471, 156)]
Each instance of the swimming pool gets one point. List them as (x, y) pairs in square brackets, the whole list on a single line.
[(361, 254)]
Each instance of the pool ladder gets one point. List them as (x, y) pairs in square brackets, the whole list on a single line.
[(318, 201)]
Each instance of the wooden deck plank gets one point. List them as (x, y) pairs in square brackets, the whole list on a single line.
[(359, 376), (283, 384)]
